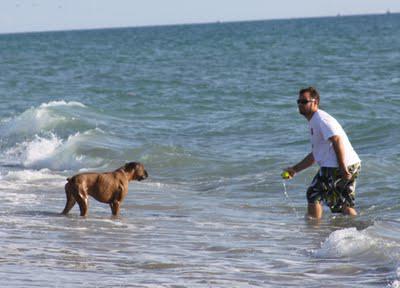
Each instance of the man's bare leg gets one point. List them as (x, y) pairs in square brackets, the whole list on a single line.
[(314, 210), (349, 211)]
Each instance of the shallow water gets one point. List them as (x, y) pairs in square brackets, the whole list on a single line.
[(210, 111)]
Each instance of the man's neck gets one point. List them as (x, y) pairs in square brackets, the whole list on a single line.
[(310, 115)]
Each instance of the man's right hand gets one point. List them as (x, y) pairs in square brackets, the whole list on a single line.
[(291, 172)]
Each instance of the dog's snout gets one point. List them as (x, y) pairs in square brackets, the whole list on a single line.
[(143, 177)]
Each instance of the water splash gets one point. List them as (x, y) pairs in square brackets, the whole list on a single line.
[(291, 204)]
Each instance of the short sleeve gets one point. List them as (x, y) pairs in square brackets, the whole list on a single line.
[(329, 129)]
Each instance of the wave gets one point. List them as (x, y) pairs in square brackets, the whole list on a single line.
[(382, 238), (378, 244), (46, 117), (29, 176), (57, 135), (22, 187), (63, 103), (53, 153)]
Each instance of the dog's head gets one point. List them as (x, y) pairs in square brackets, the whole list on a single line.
[(136, 171)]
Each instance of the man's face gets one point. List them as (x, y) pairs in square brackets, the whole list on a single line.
[(307, 106)]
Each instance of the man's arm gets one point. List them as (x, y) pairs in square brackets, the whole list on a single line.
[(339, 150), (303, 164)]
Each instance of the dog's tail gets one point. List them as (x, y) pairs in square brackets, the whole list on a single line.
[(70, 182)]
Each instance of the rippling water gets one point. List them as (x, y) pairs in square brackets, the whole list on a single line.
[(210, 111)]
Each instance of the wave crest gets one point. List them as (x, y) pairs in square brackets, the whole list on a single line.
[(46, 117), (382, 238), (53, 153)]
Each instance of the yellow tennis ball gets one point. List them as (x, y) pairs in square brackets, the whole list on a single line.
[(285, 175)]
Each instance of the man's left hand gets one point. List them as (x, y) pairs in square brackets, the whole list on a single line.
[(347, 175)]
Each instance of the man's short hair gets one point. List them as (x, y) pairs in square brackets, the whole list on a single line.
[(313, 93)]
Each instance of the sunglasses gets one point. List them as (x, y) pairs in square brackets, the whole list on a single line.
[(303, 101)]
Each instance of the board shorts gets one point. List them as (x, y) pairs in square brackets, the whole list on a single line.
[(329, 187)]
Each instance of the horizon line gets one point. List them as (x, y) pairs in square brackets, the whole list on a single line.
[(194, 23)]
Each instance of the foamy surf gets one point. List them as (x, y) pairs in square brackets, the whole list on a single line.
[(345, 243), (62, 103), (375, 244), (58, 135), (45, 117), (52, 152), (20, 187), (351, 242), (396, 283), (30, 176)]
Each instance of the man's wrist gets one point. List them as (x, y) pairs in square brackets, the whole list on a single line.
[(342, 167)]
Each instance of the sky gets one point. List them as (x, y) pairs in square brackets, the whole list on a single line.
[(50, 15)]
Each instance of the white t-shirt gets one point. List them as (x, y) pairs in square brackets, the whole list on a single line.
[(322, 127)]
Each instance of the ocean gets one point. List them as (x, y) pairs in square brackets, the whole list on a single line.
[(210, 110)]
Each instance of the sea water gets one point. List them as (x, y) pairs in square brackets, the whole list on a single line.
[(210, 110)]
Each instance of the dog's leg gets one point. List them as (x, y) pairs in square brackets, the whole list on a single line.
[(115, 207), (83, 206), (70, 203), (82, 199), (116, 202), (70, 200)]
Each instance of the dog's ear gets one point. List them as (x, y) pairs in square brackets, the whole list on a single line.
[(129, 167)]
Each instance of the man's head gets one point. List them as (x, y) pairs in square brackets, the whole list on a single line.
[(308, 101)]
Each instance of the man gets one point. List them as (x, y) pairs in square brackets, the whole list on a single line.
[(339, 164)]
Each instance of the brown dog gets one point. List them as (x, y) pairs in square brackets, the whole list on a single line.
[(110, 187)]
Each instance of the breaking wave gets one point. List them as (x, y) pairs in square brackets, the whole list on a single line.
[(378, 245)]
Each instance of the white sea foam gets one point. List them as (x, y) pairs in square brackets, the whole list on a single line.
[(62, 103), (351, 242), (375, 243), (30, 175), (37, 119), (18, 198), (396, 283), (14, 185), (345, 242), (13, 188), (51, 152)]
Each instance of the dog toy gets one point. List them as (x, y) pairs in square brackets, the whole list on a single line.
[(285, 175)]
